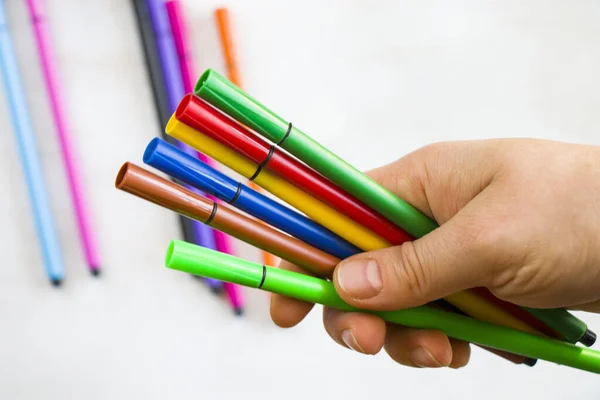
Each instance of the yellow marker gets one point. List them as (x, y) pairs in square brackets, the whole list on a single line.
[(320, 212), (478, 307), (466, 301)]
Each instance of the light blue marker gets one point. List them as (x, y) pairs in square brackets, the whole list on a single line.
[(28, 153)]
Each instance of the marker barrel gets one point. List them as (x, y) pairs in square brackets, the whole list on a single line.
[(78, 197), (162, 49), (233, 101), (194, 172), (562, 321), (199, 115), (342, 225), (151, 187), (29, 156), (204, 262)]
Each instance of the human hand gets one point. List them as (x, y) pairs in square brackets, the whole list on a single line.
[(520, 217)]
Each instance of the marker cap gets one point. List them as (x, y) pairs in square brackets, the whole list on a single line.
[(196, 260), (220, 92), (167, 158)]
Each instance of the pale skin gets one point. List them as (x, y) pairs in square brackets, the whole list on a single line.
[(518, 216)]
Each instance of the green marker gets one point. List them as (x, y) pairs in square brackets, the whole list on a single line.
[(572, 328), (208, 263), (230, 99)]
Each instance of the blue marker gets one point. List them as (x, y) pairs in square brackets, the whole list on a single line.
[(17, 102), (179, 165)]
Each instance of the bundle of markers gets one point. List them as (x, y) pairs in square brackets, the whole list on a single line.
[(171, 72), (333, 211)]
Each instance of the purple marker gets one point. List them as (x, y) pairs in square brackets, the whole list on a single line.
[(204, 235)]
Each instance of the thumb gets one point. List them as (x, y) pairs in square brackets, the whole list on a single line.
[(452, 258)]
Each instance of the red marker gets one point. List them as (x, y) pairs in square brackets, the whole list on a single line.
[(197, 114)]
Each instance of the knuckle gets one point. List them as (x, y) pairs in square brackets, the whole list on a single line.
[(486, 237), (495, 244), (409, 270)]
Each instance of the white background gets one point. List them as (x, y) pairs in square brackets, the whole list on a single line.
[(372, 80)]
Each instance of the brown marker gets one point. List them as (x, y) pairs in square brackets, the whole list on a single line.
[(151, 187)]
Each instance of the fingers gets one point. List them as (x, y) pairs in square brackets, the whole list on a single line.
[(458, 255), (360, 332), (418, 348), (425, 348), (461, 353), (367, 334), (593, 307), (287, 312)]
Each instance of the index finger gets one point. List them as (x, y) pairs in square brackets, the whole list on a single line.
[(285, 311)]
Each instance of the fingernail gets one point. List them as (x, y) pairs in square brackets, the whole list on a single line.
[(350, 341), (361, 279), (423, 358)]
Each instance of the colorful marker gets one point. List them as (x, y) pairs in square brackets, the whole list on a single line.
[(186, 68), (224, 27), (344, 226), (45, 52), (363, 239), (161, 104), (177, 164), (196, 113), (173, 84), (146, 185), (233, 101), (518, 312), (570, 327), (193, 259), (28, 153)]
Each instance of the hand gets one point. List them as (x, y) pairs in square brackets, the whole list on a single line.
[(520, 217)]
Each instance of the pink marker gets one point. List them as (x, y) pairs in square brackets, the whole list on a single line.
[(186, 66), (44, 48)]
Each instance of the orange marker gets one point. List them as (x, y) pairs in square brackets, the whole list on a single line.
[(222, 18)]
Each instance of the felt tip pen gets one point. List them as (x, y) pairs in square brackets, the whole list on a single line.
[(572, 328), (177, 164), (173, 84), (159, 93), (519, 313), (45, 51), (155, 74), (229, 54), (193, 259), (196, 113), (233, 101), (329, 218), (148, 186), (226, 36), (29, 156), (186, 66)]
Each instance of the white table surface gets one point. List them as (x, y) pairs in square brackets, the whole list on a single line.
[(372, 81)]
